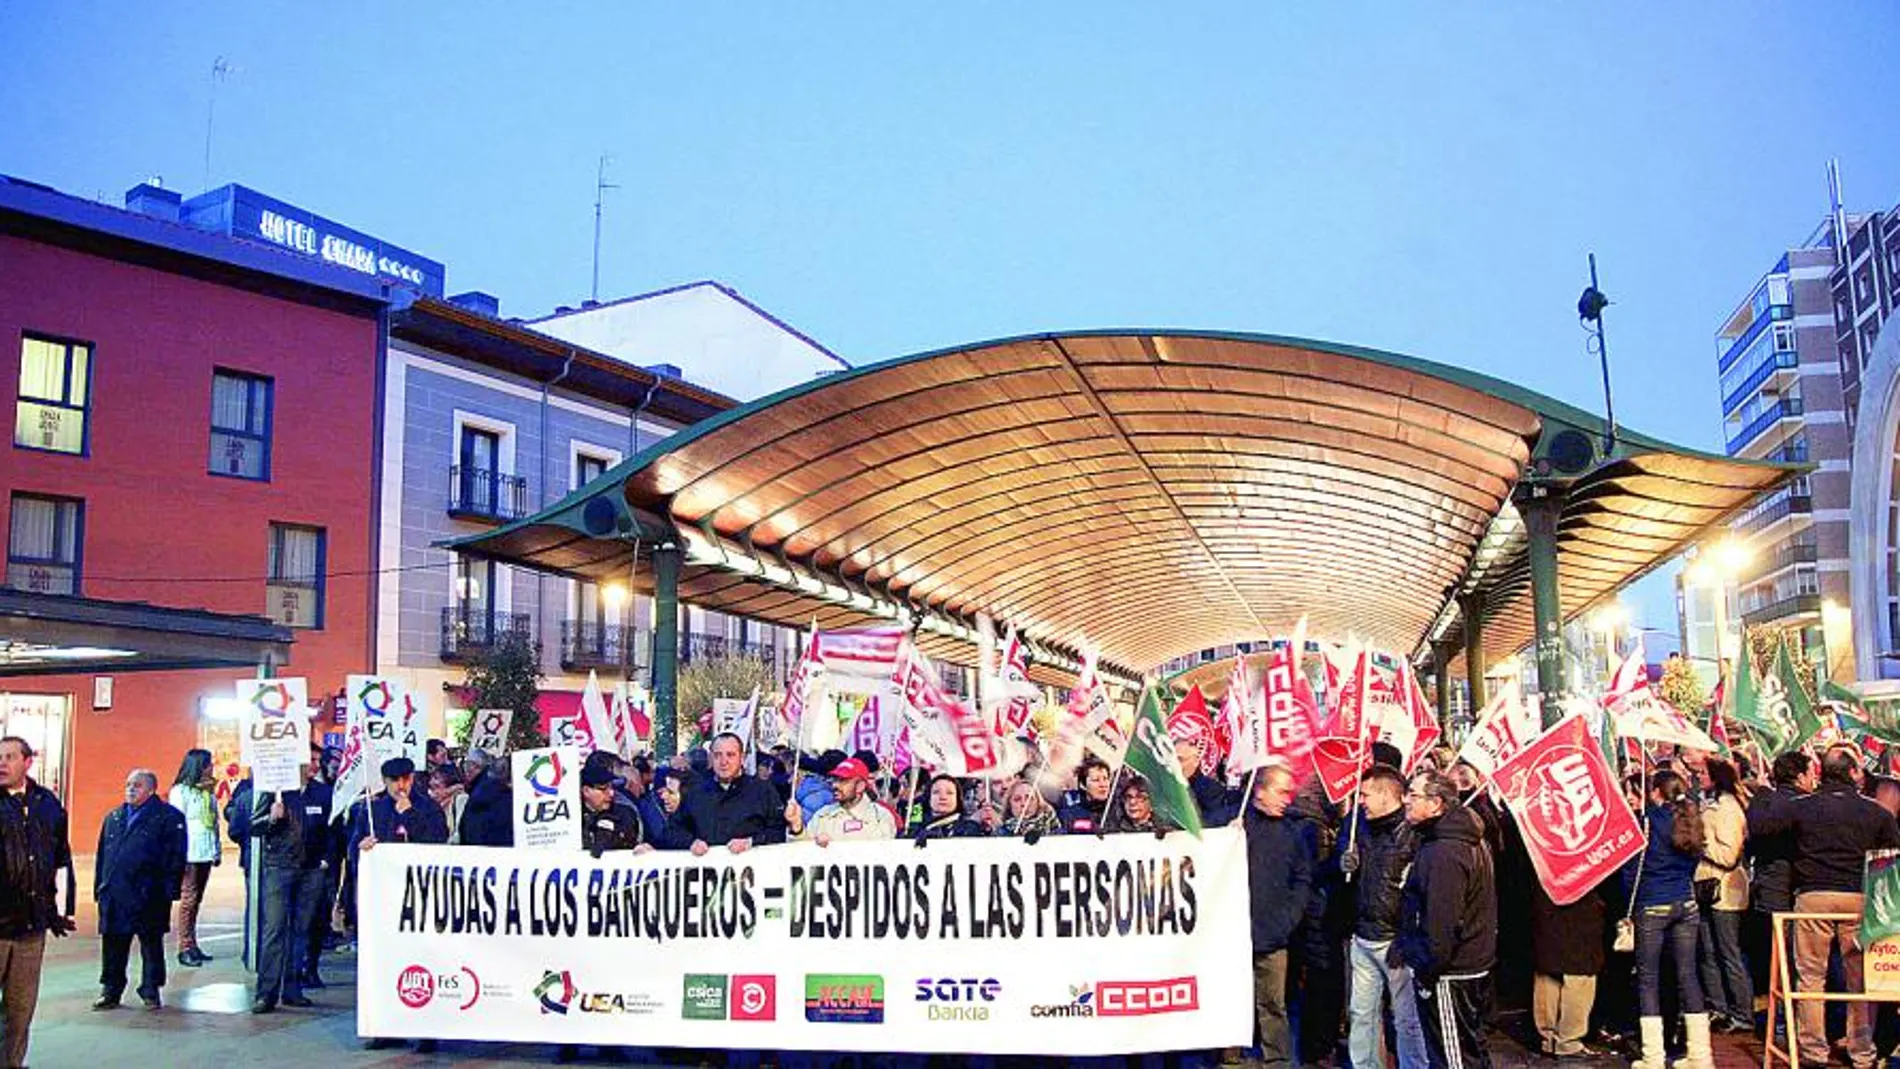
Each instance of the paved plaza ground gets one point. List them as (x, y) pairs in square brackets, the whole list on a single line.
[(207, 1016)]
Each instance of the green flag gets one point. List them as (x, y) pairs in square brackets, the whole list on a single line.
[(1801, 712), (1759, 705), (1878, 718), (1880, 909), (1151, 756)]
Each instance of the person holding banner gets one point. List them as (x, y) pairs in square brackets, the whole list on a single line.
[(944, 815), (1279, 877), (728, 808), (608, 821), (1667, 918), (1135, 810), (399, 814), (488, 819), (1087, 812), (1448, 924), (293, 829), (852, 814), (1027, 815)]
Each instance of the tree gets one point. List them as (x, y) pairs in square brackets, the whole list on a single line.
[(508, 676), (1682, 687), (705, 678)]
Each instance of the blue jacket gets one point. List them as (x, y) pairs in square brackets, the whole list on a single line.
[(139, 868), (1668, 874), (1217, 804), (1279, 876), (489, 818), (814, 793)]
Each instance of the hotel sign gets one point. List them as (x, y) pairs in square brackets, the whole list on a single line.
[(256, 217)]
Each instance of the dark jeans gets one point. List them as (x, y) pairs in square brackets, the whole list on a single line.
[(118, 954), (1723, 969), (1677, 929), (288, 900)]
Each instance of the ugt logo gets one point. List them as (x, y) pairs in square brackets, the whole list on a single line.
[(544, 774), (555, 991)]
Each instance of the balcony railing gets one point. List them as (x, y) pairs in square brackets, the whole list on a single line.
[(1796, 605), (1795, 452), (1779, 361), (1785, 557), (477, 494), (695, 647), (591, 644), (469, 631), (1776, 313), (1786, 408), (1787, 506)]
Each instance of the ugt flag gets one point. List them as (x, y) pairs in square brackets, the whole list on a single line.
[(1566, 802), (1151, 755)]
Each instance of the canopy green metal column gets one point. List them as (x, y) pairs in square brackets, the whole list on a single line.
[(1541, 509), (1441, 680), (666, 649), (1471, 608)]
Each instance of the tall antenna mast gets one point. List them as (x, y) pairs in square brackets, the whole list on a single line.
[(601, 186), (219, 71), (1836, 211)]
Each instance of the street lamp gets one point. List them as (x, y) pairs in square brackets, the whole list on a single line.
[(1715, 566), (614, 596), (1610, 619)]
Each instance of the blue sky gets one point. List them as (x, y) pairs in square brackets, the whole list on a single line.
[(889, 178)]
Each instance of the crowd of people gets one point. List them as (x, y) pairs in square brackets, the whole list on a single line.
[(1378, 931)]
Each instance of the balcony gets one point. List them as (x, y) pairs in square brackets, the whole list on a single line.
[(486, 496), (1797, 605), (1795, 452), (468, 631), (695, 647), (589, 644), (1786, 408), (1773, 513), (1776, 313), (1777, 363), (1783, 558)]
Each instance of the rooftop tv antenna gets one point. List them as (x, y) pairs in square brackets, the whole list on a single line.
[(601, 186)]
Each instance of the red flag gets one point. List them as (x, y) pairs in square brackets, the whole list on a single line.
[(1424, 723), (1342, 755), (1012, 714), (1568, 805), (1291, 713), (1190, 723), (1234, 708)]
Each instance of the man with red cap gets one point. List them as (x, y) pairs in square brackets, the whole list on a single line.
[(853, 814)]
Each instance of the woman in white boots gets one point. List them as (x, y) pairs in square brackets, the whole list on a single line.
[(1666, 918)]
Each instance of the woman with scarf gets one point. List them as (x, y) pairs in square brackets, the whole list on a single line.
[(944, 817), (1027, 814)]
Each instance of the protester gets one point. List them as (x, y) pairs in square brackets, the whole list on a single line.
[(446, 791), (294, 829), (137, 873), (436, 755), (1279, 877), (1667, 920), (1317, 965), (398, 815), (1027, 814), (1448, 924), (1567, 954), (1134, 810), (944, 814), (852, 815), (728, 808), (668, 785), (1721, 894), (34, 850), (192, 794), (1093, 779), (1833, 829), (1382, 851), (608, 821), (1216, 804), (488, 818)]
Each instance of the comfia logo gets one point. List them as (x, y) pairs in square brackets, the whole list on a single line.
[(1081, 1004), (835, 998)]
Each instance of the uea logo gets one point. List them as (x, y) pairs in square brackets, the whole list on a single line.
[(415, 987), (376, 697), (544, 775), (958, 1000), (273, 700), (556, 991), (551, 762)]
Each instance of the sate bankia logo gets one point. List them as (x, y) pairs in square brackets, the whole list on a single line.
[(949, 999), (844, 998), (716, 997)]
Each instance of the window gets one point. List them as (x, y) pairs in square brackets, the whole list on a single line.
[(475, 591), (55, 384), (587, 468), (240, 425), (43, 544), (480, 471), (294, 594)]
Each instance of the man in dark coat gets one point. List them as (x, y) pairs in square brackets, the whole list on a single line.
[(489, 818), (139, 870), (294, 849), (729, 809), (401, 814), (608, 820), (1376, 864), (1448, 924), (33, 851), (1279, 877), (1566, 957)]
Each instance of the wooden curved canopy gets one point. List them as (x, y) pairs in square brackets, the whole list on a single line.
[(1152, 494)]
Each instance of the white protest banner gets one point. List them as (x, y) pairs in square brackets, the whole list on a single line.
[(1083, 946), (565, 731), (1505, 726), (488, 731), (276, 731), (391, 719), (547, 798)]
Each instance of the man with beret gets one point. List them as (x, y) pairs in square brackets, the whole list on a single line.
[(399, 815), (851, 815)]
